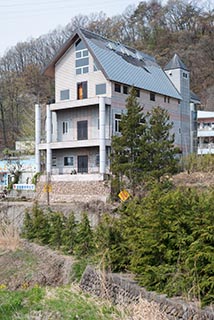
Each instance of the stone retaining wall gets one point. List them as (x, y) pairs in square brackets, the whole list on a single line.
[(78, 191), (121, 291)]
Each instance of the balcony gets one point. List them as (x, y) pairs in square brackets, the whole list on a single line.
[(206, 148), (73, 144), (77, 103)]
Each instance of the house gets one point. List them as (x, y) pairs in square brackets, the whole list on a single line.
[(205, 132), (92, 80)]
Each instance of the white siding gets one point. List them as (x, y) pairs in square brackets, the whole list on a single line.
[(66, 78)]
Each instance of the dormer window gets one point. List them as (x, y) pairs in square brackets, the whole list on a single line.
[(82, 58)]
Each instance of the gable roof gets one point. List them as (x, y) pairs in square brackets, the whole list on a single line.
[(175, 63), (121, 64)]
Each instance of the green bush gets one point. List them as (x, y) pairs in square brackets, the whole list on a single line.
[(170, 238)]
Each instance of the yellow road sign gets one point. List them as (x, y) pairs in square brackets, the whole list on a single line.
[(47, 187), (123, 195)]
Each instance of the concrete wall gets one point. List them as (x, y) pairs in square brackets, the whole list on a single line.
[(121, 291)]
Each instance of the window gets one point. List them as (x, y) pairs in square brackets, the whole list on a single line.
[(117, 87), (65, 127), (117, 119), (82, 130), (68, 161), (166, 99), (137, 93), (82, 91), (185, 75), (64, 94), (82, 58), (152, 96), (125, 90), (100, 88)]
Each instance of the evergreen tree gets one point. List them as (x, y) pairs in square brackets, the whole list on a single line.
[(57, 224), (69, 234), (129, 154), (161, 150), (38, 225), (84, 246)]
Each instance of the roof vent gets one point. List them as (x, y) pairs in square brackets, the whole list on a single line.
[(111, 46), (138, 55)]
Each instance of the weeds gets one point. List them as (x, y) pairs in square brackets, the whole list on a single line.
[(9, 236)]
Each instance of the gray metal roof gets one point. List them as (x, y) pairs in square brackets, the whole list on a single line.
[(120, 63), (194, 97), (129, 66), (175, 63)]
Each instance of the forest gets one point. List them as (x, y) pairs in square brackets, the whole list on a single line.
[(182, 26)]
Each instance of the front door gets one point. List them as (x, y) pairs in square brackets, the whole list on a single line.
[(82, 164)]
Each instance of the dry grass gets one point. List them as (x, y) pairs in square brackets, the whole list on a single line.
[(9, 237), (144, 310)]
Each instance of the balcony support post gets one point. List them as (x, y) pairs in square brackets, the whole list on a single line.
[(37, 136), (48, 139), (102, 144)]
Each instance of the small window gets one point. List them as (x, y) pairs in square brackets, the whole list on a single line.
[(117, 87), (168, 99), (125, 90), (64, 94), (137, 93), (100, 88), (65, 127), (82, 62), (117, 119), (68, 161), (185, 75), (79, 45), (152, 96), (165, 97)]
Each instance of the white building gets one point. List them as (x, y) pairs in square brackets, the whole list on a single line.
[(92, 79), (205, 132)]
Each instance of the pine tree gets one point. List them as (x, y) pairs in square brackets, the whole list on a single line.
[(84, 246), (129, 154), (69, 234), (57, 224), (161, 150)]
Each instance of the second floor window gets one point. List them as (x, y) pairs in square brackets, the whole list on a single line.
[(65, 127), (117, 119)]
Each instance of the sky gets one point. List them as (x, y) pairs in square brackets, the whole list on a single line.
[(22, 20)]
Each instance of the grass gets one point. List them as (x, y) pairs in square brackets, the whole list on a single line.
[(67, 303)]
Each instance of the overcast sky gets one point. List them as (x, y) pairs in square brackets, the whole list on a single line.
[(21, 20)]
